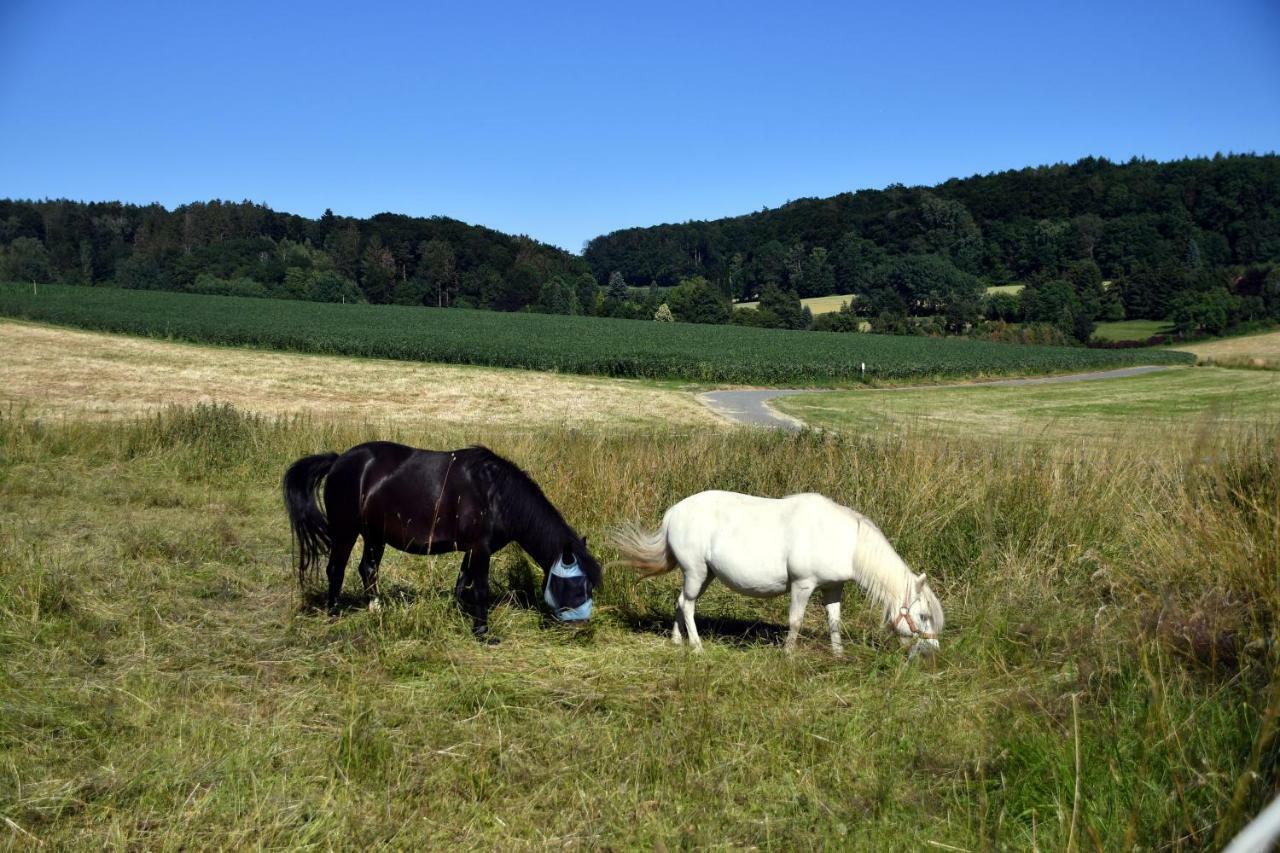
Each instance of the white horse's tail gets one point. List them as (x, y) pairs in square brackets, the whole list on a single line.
[(645, 550)]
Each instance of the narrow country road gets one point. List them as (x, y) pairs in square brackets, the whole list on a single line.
[(752, 408)]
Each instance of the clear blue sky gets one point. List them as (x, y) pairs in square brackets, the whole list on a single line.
[(567, 120)]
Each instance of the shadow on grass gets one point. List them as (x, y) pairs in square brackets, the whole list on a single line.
[(735, 632)]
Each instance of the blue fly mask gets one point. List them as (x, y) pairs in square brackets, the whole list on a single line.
[(568, 584)]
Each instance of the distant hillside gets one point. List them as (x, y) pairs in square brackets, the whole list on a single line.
[(1010, 226), (249, 249)]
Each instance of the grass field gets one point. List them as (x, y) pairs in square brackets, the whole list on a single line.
[(816, 304), (164, 686), (1180, 400), (1010, 289), (63, 372), (1245, 351), (585, 345), (1131, 330)]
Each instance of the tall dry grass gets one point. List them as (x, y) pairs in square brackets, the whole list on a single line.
[(1107, 679)]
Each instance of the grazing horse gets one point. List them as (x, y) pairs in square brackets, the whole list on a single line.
[(429, 502), (763, 547)]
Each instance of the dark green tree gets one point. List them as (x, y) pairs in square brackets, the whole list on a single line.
[(696, 300), (26, 259), (1211, 311), (617, 290), (785, 305), (377, 272)]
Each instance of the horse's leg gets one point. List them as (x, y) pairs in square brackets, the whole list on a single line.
[(800, 592), (676, 637), (369, 562), (339, 553), (695, 581), (472, 589), (831, 596)]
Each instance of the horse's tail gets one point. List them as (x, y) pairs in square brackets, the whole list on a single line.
[(646, 550), (306, 519)]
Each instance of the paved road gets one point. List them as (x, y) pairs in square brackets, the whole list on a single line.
[(752, 407)]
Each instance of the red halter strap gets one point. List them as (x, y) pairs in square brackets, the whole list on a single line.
[(904, 614)]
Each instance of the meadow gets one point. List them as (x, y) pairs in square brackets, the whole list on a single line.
[(1171, 402), (1251, 351), (816, 304), (1131, 330), (1107, 678), (51, 371), (584, 345)]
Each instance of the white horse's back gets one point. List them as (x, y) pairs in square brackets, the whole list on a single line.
[(758, 546), (764, 547)]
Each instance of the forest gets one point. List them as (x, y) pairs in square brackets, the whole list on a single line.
[(1195, 242), (247, 249)]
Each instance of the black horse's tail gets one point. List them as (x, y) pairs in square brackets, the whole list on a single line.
[(310, 527)]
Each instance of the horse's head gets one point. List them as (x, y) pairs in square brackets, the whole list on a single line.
[(918, 621), (570, 581)]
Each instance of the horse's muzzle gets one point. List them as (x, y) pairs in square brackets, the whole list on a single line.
[(568, 593), (927, 647)]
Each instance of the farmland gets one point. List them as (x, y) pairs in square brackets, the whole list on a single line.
[(1007, 289), (623, 348), (1180, 401), (816, 304), (53, 371), (1245, 351)]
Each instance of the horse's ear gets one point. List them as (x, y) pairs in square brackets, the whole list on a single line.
[(921, 578), (584, 541)]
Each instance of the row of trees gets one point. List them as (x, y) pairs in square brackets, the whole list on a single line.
[(248, 249), (1157, 227), (927, 294)]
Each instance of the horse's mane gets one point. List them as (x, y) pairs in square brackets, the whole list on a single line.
[(525, 509), (879, 571)]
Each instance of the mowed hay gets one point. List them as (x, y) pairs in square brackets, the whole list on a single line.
[(1256, 351), (167, 686), (54, 371)]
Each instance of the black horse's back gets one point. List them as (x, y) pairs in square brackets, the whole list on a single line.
[(307, 521)]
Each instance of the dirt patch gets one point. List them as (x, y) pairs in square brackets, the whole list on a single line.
[(54, 371)]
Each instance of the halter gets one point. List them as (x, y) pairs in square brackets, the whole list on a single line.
[(904, 614)]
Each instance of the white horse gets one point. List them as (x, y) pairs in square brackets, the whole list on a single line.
[(763, 547)]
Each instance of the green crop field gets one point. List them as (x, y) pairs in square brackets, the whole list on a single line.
[(723, 354)]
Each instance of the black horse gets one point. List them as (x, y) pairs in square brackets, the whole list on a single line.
[(426, 502)]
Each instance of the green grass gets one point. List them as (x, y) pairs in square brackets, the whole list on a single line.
[(1179, 399), (1131, 330), (631, 348), (163, 687)]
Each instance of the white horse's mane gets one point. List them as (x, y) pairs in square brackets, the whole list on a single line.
[(881, 573)]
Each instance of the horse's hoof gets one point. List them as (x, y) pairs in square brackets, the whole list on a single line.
[(375, 606)]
